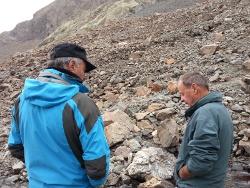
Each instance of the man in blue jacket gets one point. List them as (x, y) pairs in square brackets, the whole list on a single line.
[(56, 129), (208, 140)]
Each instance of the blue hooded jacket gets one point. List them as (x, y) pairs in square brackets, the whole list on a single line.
[(47, 116)]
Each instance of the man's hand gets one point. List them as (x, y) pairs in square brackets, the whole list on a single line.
[(184, 173)]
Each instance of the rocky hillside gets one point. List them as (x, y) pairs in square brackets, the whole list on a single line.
[(28, 34), (139, 61), (63, 18)]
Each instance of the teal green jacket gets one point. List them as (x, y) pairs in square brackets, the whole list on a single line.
[(206, 144)]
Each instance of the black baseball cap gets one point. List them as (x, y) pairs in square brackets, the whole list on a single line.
[(71, 50)]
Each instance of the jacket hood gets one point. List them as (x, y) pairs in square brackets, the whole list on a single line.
[(215, 96), (46, 94), (51, 88)]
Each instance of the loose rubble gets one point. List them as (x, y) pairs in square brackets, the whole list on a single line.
[(139, 62)]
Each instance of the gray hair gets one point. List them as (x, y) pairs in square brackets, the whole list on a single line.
[(62, 61), (194, 78)]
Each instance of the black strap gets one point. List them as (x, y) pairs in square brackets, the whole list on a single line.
[(72, 133), (16, 114)]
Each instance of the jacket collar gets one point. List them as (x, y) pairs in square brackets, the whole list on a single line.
[(215, 96), (70, 78)]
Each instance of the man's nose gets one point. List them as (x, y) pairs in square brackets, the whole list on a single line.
[(182, 99), (83, 77)]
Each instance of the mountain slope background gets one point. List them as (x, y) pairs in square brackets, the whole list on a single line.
[(63, 18), (139, 59)]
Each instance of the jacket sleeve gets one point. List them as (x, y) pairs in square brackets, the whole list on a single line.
[(203, 148), (94, 144), (96, 154), (15, 145)]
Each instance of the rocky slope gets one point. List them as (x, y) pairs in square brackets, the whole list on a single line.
[(28, 34), (139, 61), (63, 18)]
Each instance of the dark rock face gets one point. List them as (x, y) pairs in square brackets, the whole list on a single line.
[(139, 61), (29, 34), (48, 19)]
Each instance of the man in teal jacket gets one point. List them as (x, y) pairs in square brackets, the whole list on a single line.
[(208, 140), (56, 129)]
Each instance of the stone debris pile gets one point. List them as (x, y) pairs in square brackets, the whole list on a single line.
[(139, 62)]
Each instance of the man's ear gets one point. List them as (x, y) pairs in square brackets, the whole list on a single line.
[(71, 65), (195, 88)]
